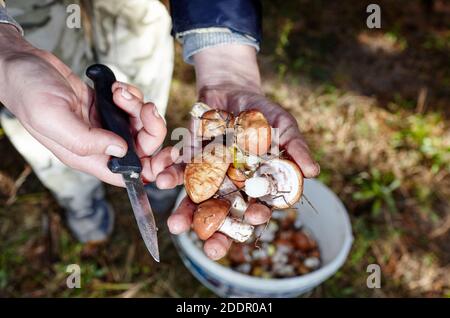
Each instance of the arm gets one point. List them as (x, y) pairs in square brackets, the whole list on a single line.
[(199, 24), (56, 108), (228, 78), (241, 16)]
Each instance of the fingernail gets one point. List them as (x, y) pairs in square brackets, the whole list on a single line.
[(212, 253), (176, 223), (318, 168), (155, 112), (115, 151), (177, 228), (126, 94)]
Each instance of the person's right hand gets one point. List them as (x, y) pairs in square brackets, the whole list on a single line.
[(57, 108)]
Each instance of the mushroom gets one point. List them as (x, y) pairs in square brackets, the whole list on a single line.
[(210, 122), (198, 109), (253, 133), (312, 262), (277, 182), (230, 192), (214, 123), (245, 161), (303, 242), (212, 216), (203, 176), (236, 176)]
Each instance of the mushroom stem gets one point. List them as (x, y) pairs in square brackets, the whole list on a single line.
[(258, 187), (199, 109), (236, 229), (230, 192), (238, 206), (252, 162), (277, 182)]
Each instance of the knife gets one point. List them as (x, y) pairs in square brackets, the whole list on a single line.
[(116, 120)]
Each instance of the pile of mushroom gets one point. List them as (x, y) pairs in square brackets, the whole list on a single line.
[(282, 248), (223, 179), (285, 249)]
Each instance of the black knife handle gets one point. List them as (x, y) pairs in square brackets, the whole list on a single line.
[(113, 118)]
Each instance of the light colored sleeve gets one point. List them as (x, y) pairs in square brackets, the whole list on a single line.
[(199, 39)]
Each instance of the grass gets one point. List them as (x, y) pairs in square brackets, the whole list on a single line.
[(384, 153)]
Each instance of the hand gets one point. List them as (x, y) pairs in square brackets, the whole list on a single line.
[(228, 78), (57, 108)]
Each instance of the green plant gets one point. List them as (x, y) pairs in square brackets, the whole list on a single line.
[(395, 38), (377, 188), (437, 42), (422, 133), (280, 50)]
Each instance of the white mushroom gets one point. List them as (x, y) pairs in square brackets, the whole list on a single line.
[(198, 109), (257, 187), (212, 216), (312, 262), (229, 191), (277, 182)]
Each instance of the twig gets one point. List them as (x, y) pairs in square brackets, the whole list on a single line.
[(310, 204), (421, 100), (171, 291), (262, 232), (17, 184), (134, 289), (441, 230)]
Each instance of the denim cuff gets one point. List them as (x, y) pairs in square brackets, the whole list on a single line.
[(199, 39), (7, 19)]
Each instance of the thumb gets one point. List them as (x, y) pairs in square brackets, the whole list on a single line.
[(100, 141), (72, 133)]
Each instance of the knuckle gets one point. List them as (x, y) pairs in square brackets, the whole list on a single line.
[(80, 148)]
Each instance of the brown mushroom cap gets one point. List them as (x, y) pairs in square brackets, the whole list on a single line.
[(302, 241), (209, 216), (214, 123), (236, 176), (253, 132), (288, 182), (203, 176)]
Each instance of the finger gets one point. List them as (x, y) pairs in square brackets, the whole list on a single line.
[(291, 139), (95, 165), (154, 130), (217, 246), (301, 154), (170, 177), (128, 102), (161, 168), (66, 129), (130, 88), (180, 221), (257, 214), (152, 166)]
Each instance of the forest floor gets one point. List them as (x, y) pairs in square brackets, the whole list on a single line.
[(374, 105)]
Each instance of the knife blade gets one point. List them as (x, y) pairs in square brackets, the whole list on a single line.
[(142, 212), (116, 120)]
